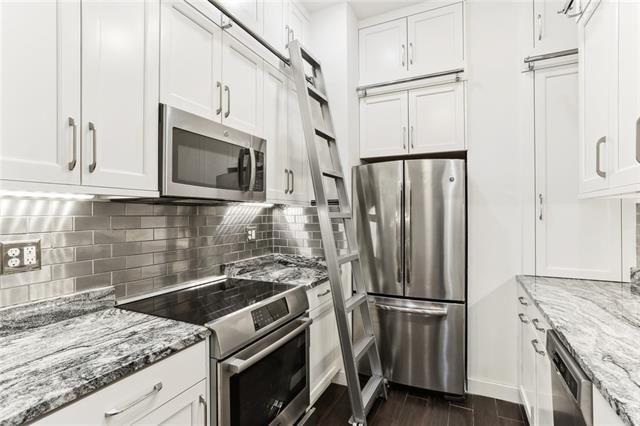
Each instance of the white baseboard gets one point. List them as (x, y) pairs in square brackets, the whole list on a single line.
[(340, 378), (494, 390)]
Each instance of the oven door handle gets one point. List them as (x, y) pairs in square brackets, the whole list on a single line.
[(237, 365), (252, 179)]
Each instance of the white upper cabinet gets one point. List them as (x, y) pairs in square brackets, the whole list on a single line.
[(436, 40), (563, 248), (250, 12), (297, 23), (242, 93), (298, 164), (383, 52), (40, 91), (275, 132), (436, 119), (120, 56), (552, 31), (190, 79), (275, 29), (597, 45), (383, 125), (625, 155)]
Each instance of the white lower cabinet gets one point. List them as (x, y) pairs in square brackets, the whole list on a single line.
[(534, 366), (172, 391), (324, 348)]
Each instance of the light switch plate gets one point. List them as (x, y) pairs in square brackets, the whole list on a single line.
[(20, 256)]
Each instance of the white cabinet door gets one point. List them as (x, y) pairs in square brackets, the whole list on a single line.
[(544, 393), (275, 132), (190, 78), (324, 348), (250, 12), (275, 31), (242, 77), (120, 73), (40, 91), (526, 356), (436, 119), (296, 151), (383, 52), (298, 23), (563, 248), (436, 40), (597, 45), (553, 32), (625, 155), (187, 409), (383, 125)]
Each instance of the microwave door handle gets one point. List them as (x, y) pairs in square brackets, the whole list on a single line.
[(237, 365), (252, 179), (241, 169)]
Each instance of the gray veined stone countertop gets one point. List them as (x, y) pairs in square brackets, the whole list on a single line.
[(281, 268), (599, 322), (55, 351)]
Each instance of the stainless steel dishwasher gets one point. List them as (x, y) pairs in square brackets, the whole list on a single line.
[(572, 389)]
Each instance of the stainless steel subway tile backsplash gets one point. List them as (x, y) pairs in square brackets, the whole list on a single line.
[(134, 247)]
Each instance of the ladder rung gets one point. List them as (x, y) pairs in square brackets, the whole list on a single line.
[(309, 57), (354, 301), (332, 174), (362, 346), (340, 215), (370, 392), (350, 257), (325, 134), (317, 94)]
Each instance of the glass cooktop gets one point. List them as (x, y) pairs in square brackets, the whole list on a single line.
[(207, 302)]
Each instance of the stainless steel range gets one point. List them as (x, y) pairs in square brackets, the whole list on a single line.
[(259, 349)]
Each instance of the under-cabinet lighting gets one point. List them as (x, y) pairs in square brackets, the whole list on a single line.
[(255, 204), (52, 195)]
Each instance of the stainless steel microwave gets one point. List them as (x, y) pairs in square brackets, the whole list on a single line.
[(202, 159)]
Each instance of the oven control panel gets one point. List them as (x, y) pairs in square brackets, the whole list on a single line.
[(270, 313)]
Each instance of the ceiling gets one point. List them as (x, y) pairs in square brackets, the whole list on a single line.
[(362, 8)]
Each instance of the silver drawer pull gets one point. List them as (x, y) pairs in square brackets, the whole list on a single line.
[(203, 401), (523, 301), (523, 318), (442, 312), (156, 388), (324, 293), (535, 323), (534, 343)]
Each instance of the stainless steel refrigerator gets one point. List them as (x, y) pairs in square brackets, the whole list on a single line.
[(411, 225)]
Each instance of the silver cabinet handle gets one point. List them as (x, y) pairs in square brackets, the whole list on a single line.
[(536, 325), (286, 175), (407, 230), (74, 127), (203, 401), (539, 25), (293, 181), (286, 30), (523, 318), (540, 199), (412, 138), (599, 171), (523, 301), (403, 55), (435, 312), (638, 140), (399, 233), (404, 137), (92, 128), (324, 293), (156, 388), (534, 343), (228, 92), (411, 53), (219, 86), (237, 365)]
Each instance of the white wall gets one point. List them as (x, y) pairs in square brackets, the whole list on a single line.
[(496, 191)]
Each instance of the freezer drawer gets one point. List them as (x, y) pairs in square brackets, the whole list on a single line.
[(421, 344)]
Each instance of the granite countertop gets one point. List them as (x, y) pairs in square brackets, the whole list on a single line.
[(58, 350), (281, 268), (599, 322)]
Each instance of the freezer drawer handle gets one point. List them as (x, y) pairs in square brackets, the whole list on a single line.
[(435, 312)]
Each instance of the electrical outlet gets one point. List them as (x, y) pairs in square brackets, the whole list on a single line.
[(251, 233), (20, 256)]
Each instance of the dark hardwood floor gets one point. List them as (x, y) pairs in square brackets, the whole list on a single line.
[(409, 406)]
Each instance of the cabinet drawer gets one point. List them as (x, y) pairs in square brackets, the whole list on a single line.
[(176, 373), (319, 295)]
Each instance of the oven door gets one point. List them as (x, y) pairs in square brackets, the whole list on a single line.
[(268, 382), (205, 159)]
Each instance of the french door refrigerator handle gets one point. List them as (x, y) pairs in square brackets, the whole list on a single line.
[(399, 234), (407, 231)]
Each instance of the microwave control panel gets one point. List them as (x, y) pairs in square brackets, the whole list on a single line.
[(270, 313)]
